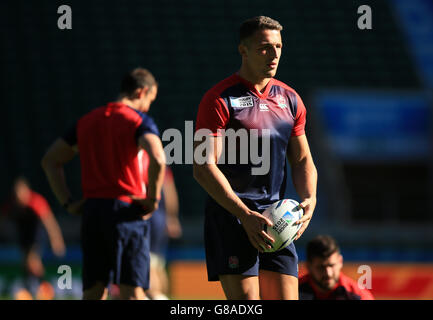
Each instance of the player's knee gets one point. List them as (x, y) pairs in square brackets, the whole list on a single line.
[(239, 288), (249, 295), (245, 294)]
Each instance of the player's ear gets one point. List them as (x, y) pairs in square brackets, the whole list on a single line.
[(137, 93), (142, 92), (243, 50)]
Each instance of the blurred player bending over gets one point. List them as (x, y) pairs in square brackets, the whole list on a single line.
[(29, 211), (116, 204), (234, 236), (324, 280)]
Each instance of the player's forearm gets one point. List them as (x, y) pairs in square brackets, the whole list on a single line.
[(156, 174), (171, 199), (304, 176), (53, 229), (218, 187), (56, 179), (58, 154)]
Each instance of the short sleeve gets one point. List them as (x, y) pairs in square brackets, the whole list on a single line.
[(70, 136), (147, 126), (39, 205), (212, 114), (300, 119)]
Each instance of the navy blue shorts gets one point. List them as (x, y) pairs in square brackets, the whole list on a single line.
[(158, 233), (229, 251), (114, 243)]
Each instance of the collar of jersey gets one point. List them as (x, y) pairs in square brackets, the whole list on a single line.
[(121, 104), (251, 87), (118, 104)]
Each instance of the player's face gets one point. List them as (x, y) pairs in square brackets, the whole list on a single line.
[(326, 272), (263, 52), (147, 98)]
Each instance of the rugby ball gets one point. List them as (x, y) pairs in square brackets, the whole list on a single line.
[(283, 214)]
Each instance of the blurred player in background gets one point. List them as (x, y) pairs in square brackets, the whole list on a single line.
[(234, 235), (30, 212), (324, 280), (164, 224), (111, 141)]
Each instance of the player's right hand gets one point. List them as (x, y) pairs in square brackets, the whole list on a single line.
[(58, 247), (253, 223), (173, 227)]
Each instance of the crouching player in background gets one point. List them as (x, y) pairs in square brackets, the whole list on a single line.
[(324, 280), (29, 211)]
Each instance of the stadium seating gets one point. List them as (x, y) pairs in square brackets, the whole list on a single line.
[(53, 76)]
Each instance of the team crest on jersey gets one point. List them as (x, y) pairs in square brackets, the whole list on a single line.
[(281, 101), (233, 262), (242, 102)]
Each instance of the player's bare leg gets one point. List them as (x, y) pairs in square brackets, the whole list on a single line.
[(239, 287), (96, 292), (163, 278), (158, 284), (33, 263), (277, 286), (132, 293)]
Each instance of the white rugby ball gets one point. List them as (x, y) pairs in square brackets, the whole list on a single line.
[(283, 214)]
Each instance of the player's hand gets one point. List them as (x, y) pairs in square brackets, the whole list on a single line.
[(76, 207), (148, 205), (308, 205), (253, 223), (58, 247), (174, 229)]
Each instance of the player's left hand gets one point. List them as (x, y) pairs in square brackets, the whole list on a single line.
[(308, 206), (148, 205), (76, 207)]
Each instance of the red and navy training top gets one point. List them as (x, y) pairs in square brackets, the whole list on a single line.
[(345, 289), (111, 162), (235, 103)]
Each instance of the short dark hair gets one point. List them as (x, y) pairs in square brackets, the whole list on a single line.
[(137, 78), (322, 247), (248, 27)]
